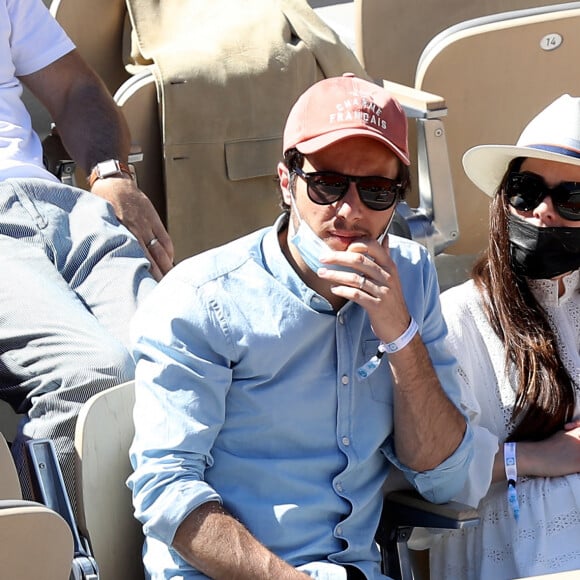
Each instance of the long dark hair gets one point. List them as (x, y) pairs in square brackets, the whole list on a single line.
[(545, 393)]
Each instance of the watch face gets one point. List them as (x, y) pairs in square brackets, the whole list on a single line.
[(109, 167)]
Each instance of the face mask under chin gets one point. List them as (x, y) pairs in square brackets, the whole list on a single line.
[(311, 247), (543, 252)]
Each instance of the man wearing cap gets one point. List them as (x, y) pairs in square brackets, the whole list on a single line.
[(281, 375)]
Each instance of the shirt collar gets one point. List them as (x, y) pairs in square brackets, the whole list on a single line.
[(276, 263)]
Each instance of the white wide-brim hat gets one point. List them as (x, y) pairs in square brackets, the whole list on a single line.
[(554, 135)]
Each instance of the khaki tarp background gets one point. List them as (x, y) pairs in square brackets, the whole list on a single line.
[(227, 74)]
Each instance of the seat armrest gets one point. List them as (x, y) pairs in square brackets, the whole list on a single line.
[(49, 488), (415, 102), (405, 510), (409, 508), (434, 222)]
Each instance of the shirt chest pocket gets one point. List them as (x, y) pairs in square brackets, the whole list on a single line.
[(380, 382)]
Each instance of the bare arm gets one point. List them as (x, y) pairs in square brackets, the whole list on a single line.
[(93, 130), (428, 427), (215, 543), (553, 457)]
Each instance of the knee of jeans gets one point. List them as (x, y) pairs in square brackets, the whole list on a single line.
[(111, 360)]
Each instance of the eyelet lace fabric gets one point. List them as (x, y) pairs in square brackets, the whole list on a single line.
[(547, 536)]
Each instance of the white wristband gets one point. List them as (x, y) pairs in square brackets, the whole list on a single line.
[(373, 364), (511, 473), (402, 341)]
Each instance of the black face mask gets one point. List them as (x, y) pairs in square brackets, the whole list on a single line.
[(543, 252)]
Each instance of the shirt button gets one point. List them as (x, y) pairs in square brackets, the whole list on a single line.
[(339, 530), (339, 487), (344, 379), (346, 441), (340, 319)]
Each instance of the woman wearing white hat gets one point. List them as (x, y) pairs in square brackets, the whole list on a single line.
[(515, 329)]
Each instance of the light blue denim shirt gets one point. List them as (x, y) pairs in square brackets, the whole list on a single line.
[(247, 393)]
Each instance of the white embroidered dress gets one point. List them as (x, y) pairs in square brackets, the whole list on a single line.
[(547, 536)]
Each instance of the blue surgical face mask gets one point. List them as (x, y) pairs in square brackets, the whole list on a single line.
[(311, 247)]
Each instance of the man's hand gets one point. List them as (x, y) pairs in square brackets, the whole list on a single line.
[(373, 284), (422, 440), (134, 209), (92, 129)]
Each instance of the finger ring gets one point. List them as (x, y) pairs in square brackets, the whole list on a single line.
[(151, 243), (362, 282)]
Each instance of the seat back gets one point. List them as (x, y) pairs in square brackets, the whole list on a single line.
[(36, 542), (391, 35), (103, 435), (137, 98), (100, 31), (496, 73)]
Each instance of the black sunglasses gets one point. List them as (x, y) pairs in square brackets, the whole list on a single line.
[(525, 191), (326, 187)]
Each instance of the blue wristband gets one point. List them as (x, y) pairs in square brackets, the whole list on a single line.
[(511, 473)]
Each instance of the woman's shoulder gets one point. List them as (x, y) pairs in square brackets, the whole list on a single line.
[(459, 297)]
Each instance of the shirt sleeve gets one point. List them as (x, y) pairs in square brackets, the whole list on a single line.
[(464, 341), (36, 39), (170, 457), (446, 480)]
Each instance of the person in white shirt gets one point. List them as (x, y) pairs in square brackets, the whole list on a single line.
[(515, 329), (34, 50), (74, 267)]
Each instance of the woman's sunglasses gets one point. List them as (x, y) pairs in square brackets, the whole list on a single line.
[(326, 187), (525, 191)]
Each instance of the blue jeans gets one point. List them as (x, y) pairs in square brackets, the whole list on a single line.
[(71, 277)]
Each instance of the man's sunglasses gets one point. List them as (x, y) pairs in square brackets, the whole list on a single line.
[(326, 187), (525, 191)]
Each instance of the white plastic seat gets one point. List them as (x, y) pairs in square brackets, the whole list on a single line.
[(36, 542), (103, 435), (495, 73), (390, 35)]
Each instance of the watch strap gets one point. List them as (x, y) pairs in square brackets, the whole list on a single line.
[(109, 168)]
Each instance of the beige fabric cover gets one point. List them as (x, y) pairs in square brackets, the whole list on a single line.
[(227, 73)]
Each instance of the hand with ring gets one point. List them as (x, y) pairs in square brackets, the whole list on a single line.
[(373, 282), (136, 212)]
